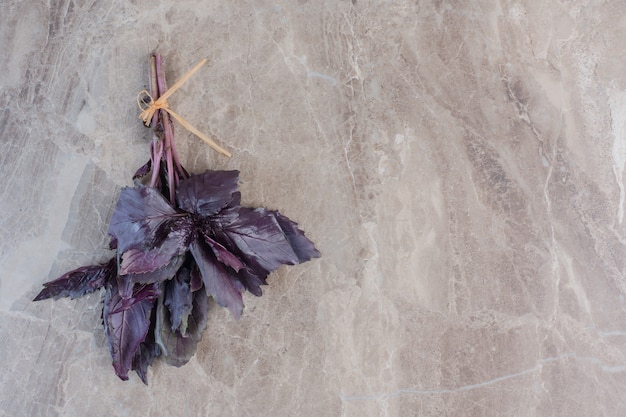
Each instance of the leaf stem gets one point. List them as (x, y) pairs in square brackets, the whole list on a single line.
[(163, 145), (172, 175), (156, 147)]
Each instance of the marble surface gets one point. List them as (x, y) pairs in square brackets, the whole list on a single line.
[(460, 165)]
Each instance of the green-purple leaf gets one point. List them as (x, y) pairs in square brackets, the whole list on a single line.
[(79, 282), (177, 348), (198, 318), (178, 299), (207, 193)]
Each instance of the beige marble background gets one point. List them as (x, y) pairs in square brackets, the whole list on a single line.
[(460, 165)]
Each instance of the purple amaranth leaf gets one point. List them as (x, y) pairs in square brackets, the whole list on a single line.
[(178, 299), (131, 294), (301, 245), (224, 255), (79, 281), (207, 193), (126, 323), (139, 218), (252, 281), (143, 170), (147, 352), (234, 204), (125, 288), (164, 273), (259, 239), (218, 281), (176, 348), (145, 355), (196, 278), (138, 261), (198, 318)]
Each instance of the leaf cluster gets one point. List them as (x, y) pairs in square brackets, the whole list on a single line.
[(171, 257)]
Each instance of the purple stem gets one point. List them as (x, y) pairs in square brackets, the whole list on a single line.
[(172, 176), (156, 147), (163, 140), (181, 171), (156, 153), (179, 167)]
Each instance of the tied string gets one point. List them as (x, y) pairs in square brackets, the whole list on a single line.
[(162, 104)]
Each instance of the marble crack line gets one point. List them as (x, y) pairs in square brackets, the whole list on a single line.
[(617, 104), (611, 333), (470, 387)]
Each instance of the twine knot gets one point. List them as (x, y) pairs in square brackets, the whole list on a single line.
[(150, 107)]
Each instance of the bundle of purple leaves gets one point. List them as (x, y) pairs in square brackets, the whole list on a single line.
[(178, 240)]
